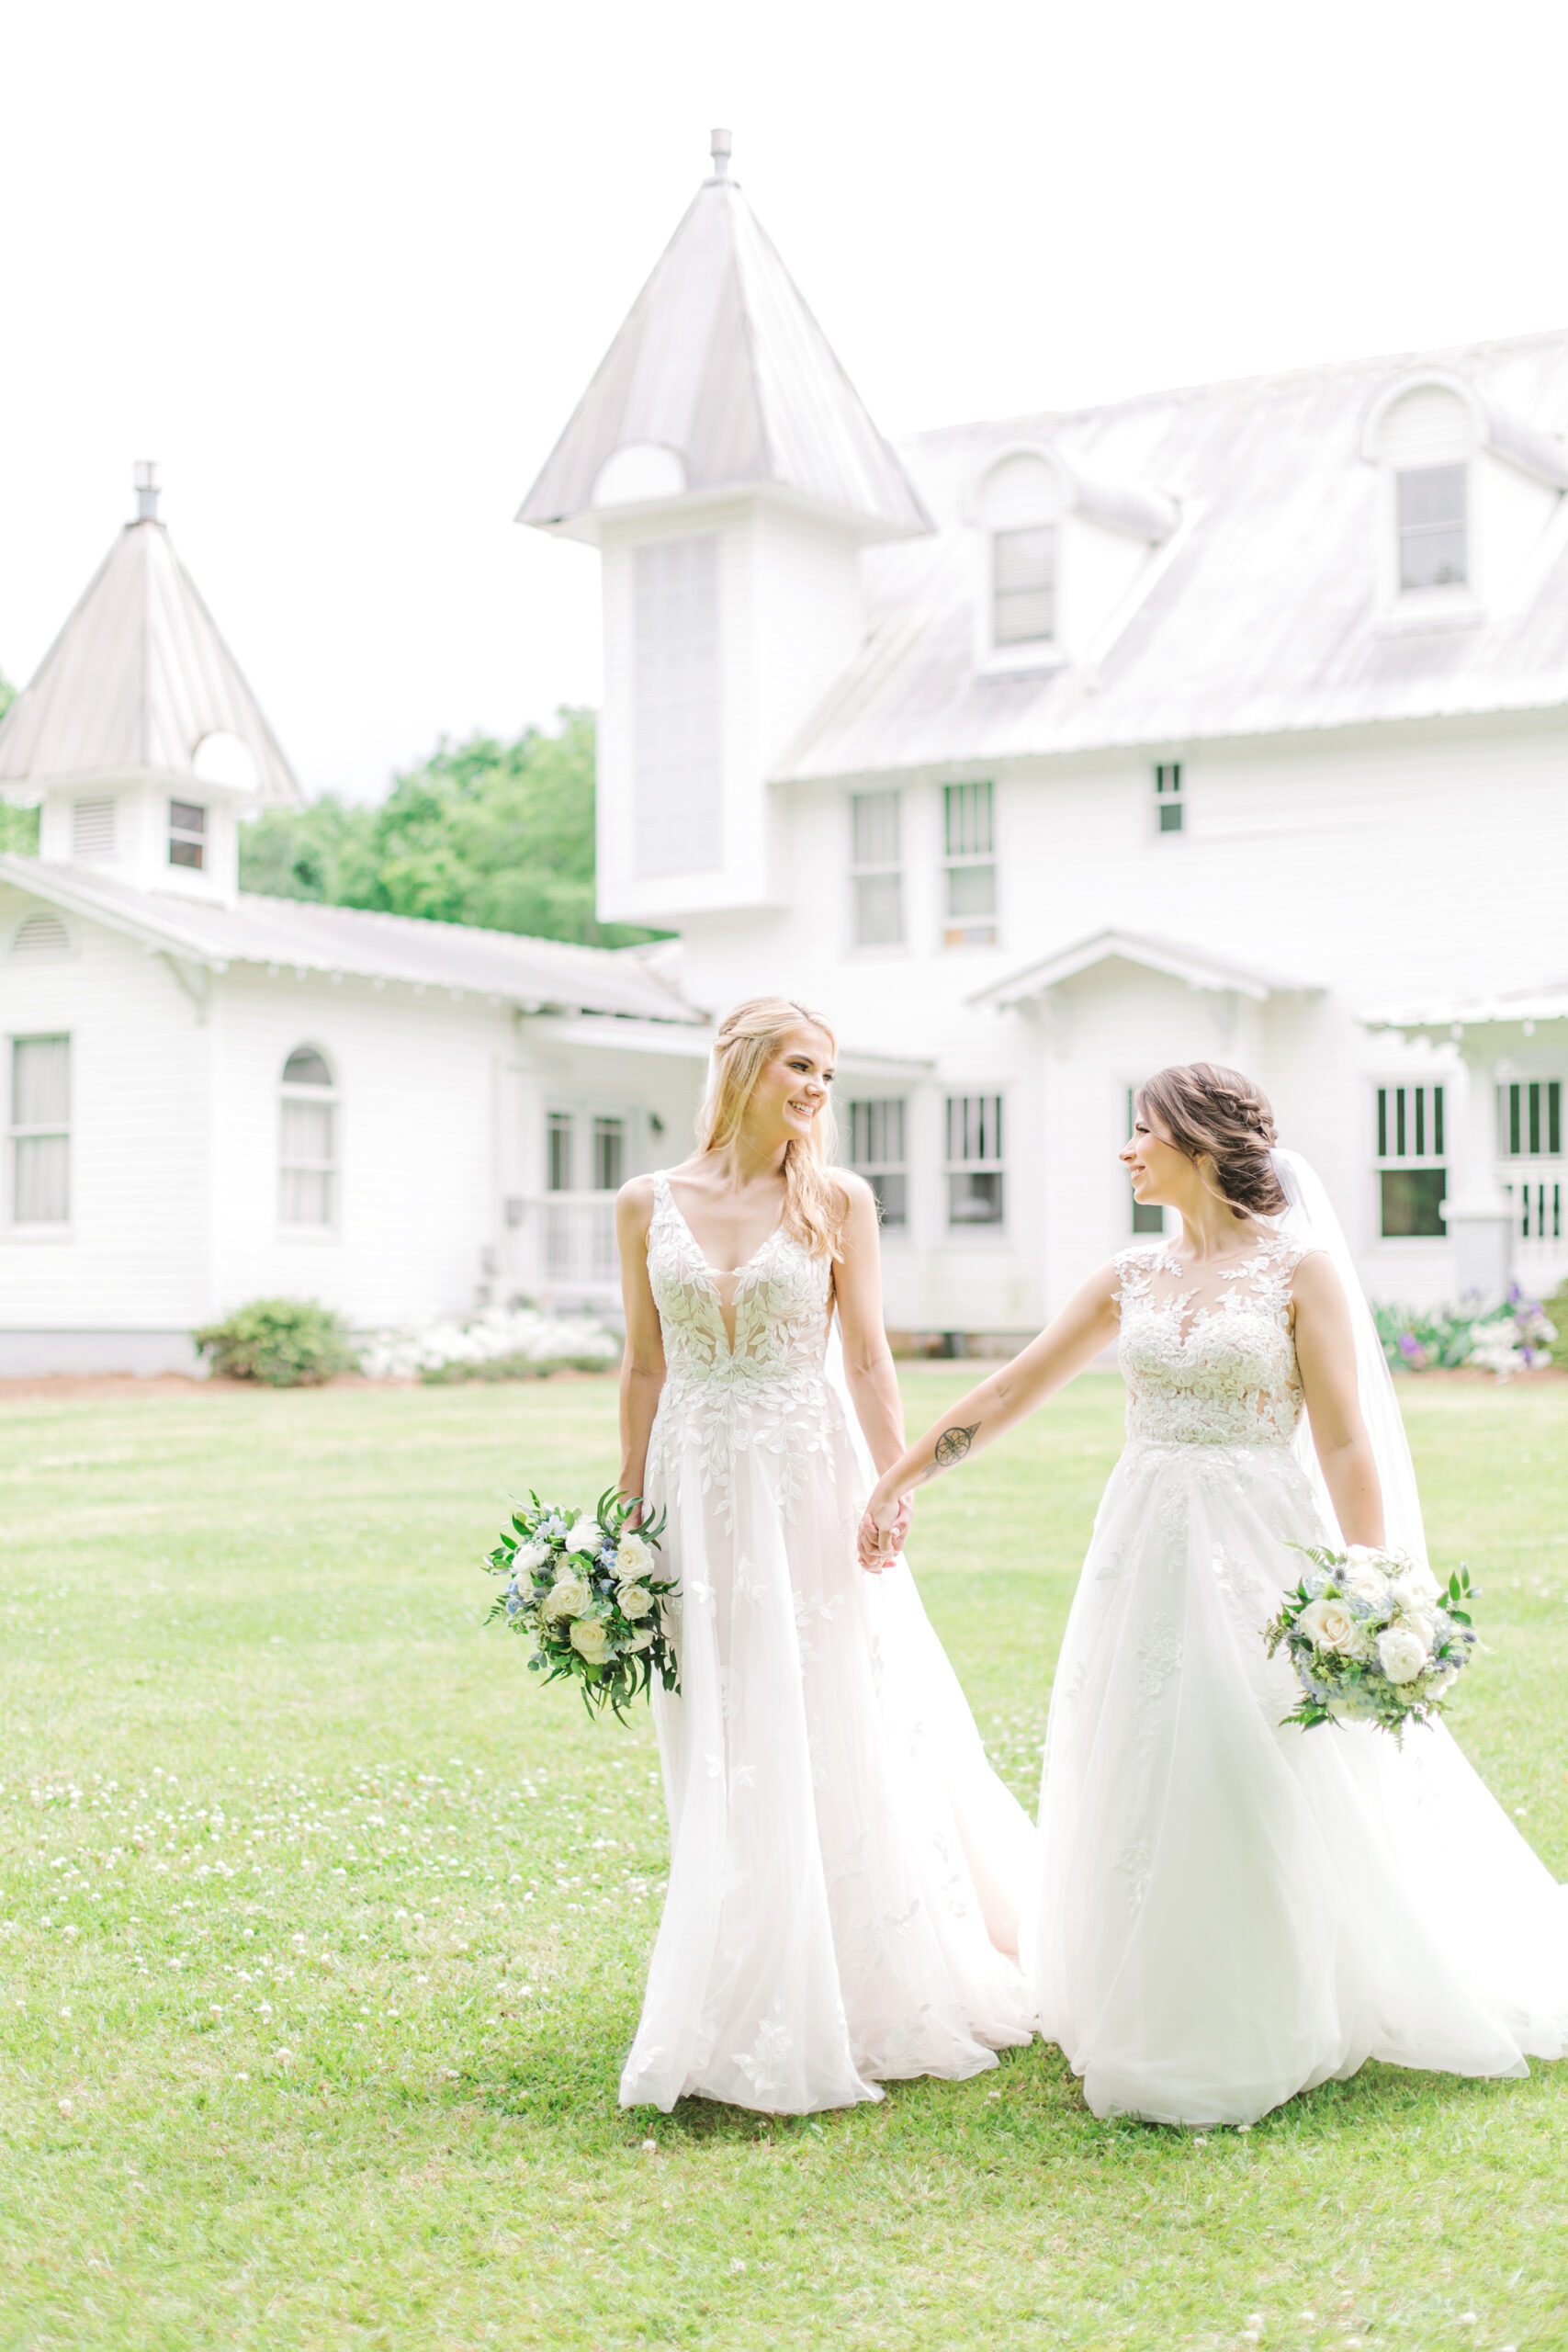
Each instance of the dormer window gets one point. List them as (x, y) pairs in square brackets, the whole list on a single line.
[(1432, 524), (187, 834), (1023, 586)]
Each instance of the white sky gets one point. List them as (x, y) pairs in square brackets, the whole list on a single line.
[(343, 269)]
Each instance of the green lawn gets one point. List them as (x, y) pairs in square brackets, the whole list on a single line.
[(324, 1930)]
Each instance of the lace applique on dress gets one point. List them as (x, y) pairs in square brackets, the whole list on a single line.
[(1221, 1373)]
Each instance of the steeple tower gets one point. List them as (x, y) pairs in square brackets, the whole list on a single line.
[(138, 734), (728, 470)]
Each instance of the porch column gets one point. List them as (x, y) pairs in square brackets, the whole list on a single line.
[(1479, 1214)]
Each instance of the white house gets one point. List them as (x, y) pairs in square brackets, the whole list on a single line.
[(212, 1097), (1230, 721)]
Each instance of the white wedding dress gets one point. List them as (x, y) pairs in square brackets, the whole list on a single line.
[(845, 1869), (1232, 1910)]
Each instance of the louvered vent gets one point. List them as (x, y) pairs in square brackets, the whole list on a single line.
[(93, 830), (41, 935)]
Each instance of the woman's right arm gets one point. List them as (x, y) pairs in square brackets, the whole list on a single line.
[(642, 1364), (1070, 1340)]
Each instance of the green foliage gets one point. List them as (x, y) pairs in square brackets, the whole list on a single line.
[(325, 1930), (487, 832), (7, 694), (284, 1342), (1555, 1310), (19, 827)]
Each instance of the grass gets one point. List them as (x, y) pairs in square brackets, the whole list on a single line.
[(322, 1935)]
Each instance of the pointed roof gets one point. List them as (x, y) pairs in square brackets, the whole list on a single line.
[(1174, 959), (720, 360), (136, 679)]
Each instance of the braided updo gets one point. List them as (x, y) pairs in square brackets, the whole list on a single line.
[(1206, 1108)]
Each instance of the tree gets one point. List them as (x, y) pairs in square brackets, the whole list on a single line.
[(488, 832), (19, 827)]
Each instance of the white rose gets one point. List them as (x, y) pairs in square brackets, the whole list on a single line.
[(1329, 1625), (1358, 1555), (635, 1599), (591, 1639), (568, 1596), (1402, 1653), (1367, 1584), (633, 1557), (1414, 1588), (587, 1536), (530, 1557), (1417, 1622)]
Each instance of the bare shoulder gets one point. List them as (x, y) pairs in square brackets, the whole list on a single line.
[(856, 1192), (1313, 1282), (634, 1204)]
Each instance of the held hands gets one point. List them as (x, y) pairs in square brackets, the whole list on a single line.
[(883, 1530)]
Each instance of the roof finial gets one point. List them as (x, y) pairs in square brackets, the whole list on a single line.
[(720, 148), (144, 479)]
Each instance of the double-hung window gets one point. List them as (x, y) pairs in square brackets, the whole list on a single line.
[(1530, 1126), (187, 833), (609, 1154), (1412, 1177), (969, 840), (41, 1130), (1431, 521), (877, 1151), (558, 1141), (1168, 797), (976, 1170), (308, 1170), (876, 869), (1023, 586)]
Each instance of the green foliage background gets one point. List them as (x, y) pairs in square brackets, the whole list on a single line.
[(19, 827), (488, 832)]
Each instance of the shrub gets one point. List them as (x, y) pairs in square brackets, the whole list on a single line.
[(286, 1342), (1555, 1310), (504, 1343)]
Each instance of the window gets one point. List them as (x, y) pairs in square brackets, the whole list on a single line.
[(1168, 797), (187, 833), (1148, 1216), (677, 811), (1410, 1136), (1431, 520), (971, 866), (41, 1130), (1530, 1119), (306, 1181), (877, 1151), (974, 1175), (876, 870), (558, 1152), (91, 831), (609, 1154), (1539, 1210), (1023, 586)]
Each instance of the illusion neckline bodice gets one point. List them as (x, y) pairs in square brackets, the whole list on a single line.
[(1220, 1370)]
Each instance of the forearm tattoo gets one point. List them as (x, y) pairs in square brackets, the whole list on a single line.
[(953, 1445)]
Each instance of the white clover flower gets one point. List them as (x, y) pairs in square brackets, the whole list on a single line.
[(1402, 1653)]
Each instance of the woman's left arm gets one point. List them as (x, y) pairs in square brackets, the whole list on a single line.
[(868, 1359), (1325, 1351)]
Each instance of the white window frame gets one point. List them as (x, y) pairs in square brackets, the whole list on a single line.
[(677, 707), (1045, 642), (872, 1129), (1020, 488), (1533, 1127), (19, 1134), (1405, 532), (330, 1099), (868, 867), (980, 1134), (1171, 798), (1411, 1124), (185, 835), (976, 929), (601, 1124)]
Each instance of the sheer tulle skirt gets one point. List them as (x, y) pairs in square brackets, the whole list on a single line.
[(1232, 1910), (845, 1869)]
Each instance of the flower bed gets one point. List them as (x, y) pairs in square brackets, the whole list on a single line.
[(504, 1343), (1521, 1335)]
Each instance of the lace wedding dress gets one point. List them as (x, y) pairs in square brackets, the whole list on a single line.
[(1232, 1910), (845, 1869)]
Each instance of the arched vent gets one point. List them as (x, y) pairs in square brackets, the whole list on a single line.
[(41, 935), (307, 1066)]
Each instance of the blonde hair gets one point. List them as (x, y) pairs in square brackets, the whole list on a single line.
[(816, 1206)]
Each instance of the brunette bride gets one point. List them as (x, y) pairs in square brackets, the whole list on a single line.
[(1231, 1908), (844, 1867)]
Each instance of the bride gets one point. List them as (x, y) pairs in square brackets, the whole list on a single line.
[(1230, 1909), (844, 1869)]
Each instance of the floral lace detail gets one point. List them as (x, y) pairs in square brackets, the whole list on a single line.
[(1222, 1373), (766, 2064), (768, 1394)]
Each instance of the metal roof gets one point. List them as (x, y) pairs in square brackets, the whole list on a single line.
[(1546, 1002), (1175, 958), (1261, 614), (297, 936), (137, 677), (720, 360)]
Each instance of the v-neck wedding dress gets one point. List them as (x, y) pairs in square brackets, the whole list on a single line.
[(1232, 1910), (845, 1868)]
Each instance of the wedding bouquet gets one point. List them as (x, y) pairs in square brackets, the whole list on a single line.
[(1374, 1638), (585, 1586)]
